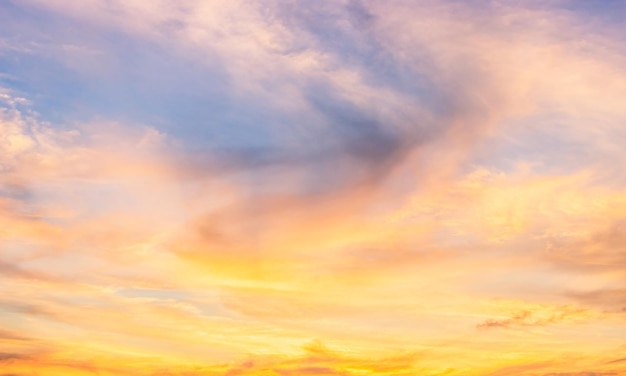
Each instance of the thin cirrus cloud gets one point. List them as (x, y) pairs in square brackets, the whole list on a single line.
[(287, 188)]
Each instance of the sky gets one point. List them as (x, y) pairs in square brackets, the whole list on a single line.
[(329, 187)]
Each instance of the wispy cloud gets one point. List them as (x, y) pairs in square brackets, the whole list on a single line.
[(204, 187)]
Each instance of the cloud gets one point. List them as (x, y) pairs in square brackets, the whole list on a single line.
[(595, 251), (199, 188), (617, 361), (22, 308), (581, 374), (538, 317), (11, 336), (8, 357), (315, 360), (319, 360), (612, 299)]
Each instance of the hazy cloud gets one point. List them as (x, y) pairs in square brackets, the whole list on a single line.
[(202, 187)]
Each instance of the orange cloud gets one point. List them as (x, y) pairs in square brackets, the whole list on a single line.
[(464, 169)]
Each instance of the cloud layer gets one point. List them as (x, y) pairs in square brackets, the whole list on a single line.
[(327, 188)]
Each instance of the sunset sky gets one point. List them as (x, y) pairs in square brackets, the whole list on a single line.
[(321, 187)]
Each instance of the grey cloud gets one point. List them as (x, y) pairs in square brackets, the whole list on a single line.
[(617, 361), (521, 318), (14, 271), (24, 308), (9, 335), (529, 318), (599, 252), (611, 299), (11, 270), (7, 357), (357, 135)]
